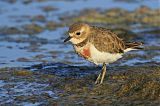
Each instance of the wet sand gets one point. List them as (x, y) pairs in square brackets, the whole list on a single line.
[(34, 71)]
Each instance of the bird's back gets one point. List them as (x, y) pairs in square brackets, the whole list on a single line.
[(106, 41)]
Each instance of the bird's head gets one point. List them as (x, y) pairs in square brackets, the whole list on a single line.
[(78, 32)]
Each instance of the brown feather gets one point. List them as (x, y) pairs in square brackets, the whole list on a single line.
[(106, 41), (134, 45)]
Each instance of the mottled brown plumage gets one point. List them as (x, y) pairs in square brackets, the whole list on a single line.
[(106, 41), (103, 39), (134, 45), (98, 45)]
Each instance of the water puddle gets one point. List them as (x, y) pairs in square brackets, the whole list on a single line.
[(20, 90), (46, 46), (31, 37), (19, 12), (133, 62)]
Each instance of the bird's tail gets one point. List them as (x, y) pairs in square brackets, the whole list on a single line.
[(133, 46)]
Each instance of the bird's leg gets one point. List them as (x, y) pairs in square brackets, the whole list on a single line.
[(98, 78), (101, 75)]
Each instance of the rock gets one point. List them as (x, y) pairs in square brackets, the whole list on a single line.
[(32, 29)]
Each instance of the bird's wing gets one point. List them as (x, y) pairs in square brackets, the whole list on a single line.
[(106, 41)]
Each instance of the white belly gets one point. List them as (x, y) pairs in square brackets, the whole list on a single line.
[(100, 57)]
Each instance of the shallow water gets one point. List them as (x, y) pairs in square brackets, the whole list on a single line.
[(47, 46), (50, 71), (15, 89), (13, 13)]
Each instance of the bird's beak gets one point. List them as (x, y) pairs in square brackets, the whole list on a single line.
[(67, 39)]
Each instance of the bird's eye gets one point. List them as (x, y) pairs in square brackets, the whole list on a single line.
[(78, 33)]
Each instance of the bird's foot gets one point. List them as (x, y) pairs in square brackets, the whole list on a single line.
[(98, 79)]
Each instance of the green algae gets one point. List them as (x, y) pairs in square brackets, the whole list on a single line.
[(122, 87), (125, 85), (143, 16)]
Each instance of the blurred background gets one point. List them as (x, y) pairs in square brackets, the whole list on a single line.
[(32, 31), (38, 69)]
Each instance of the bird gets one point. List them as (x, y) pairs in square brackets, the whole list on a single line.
[(98, 45)]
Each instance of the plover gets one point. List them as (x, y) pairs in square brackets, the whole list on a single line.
[(98, 45)]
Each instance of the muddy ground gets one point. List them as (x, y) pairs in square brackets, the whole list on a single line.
[(37, 68), (123, 86)]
